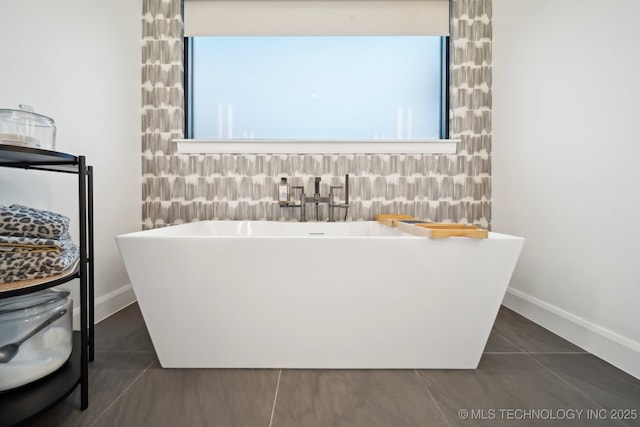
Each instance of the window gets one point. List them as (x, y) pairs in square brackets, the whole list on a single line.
[(317, 87)]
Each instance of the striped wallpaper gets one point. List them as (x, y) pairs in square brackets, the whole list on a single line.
[(179, 188)]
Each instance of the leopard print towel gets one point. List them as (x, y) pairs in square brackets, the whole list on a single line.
[(23, 221), (23, 258), (34, 244)]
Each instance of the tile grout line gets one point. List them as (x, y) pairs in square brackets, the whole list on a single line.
[(275, 398), (537, 352), (121, 393), (444, 417), (508, 340), (552, 372), (523, 351), (532, 353)]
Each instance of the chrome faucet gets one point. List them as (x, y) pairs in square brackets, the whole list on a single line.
[(318, 199), (332, 204)]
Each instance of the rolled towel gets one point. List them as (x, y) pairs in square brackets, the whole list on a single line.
[(23, 221)]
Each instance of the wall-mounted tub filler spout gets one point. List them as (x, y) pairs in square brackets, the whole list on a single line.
[(318, 199)]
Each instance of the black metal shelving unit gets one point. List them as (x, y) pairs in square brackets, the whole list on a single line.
[(24, 402)]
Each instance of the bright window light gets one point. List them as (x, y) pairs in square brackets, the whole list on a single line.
[(315, 88)]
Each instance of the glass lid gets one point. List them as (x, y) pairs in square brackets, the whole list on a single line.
[(38, 300)]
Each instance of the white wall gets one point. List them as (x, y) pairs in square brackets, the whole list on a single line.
[(565, 167), (79, 62)]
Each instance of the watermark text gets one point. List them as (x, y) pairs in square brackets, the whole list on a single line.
[(547, 414)]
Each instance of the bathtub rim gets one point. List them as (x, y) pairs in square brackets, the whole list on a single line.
[(174, 231)]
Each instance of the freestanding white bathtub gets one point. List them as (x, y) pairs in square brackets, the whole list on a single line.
[(258, 294)]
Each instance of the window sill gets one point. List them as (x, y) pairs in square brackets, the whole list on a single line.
[(283, 146)]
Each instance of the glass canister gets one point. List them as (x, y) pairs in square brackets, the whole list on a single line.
[(25, 128), (47, 350)]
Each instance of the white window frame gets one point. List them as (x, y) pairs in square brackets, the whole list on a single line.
[(316, 17)]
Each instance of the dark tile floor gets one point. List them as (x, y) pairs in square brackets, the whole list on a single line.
[(527, 376)]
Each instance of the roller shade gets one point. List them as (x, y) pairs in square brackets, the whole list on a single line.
[(316, 17)]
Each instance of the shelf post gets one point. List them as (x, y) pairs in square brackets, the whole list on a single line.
[(84, 338), (91, 260)]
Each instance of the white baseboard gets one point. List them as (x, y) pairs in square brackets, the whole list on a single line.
[(603, 343), (108, 304)]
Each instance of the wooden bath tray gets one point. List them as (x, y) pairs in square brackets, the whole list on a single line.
[(438, 230), (391, 220)]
